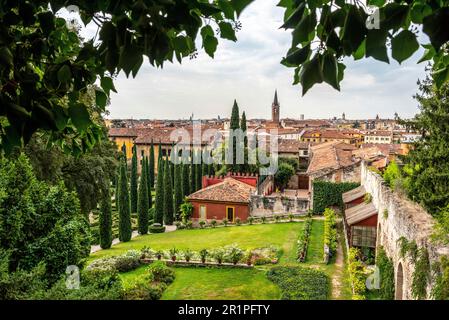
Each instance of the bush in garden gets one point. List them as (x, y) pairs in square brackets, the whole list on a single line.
[(303, 240), (277, 218), (290, 217), (159, 272), (263, 219), (156, 228), (189, 224), (235, 255), (146, 253), (213, 223), (218, 255), (202, 223), (357, 273), (225, 222), (203, 255), (144, 290), (159, 254), (250, 220), (126, 262), (173, 253), (188, 254), (238, 221), (298, 283), (330, 230)]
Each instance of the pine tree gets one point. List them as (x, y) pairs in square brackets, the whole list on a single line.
[(234, 125), (151, 167), (133, 181), (159, 203), (105, 219), (178, 189), (142, 204), (124, 207), (185, 180), (168, 194)]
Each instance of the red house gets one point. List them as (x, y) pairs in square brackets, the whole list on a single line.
[(360, 219), (228, 199)]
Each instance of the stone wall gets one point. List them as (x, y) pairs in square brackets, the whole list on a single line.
[(276, 205), (400, 217)]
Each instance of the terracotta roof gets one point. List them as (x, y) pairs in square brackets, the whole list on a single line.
[(169, 135), (331, 156), (354, 194), (326, 134), (230, 190), (359, 213), (123, 132), (379, 133), (291, 146)]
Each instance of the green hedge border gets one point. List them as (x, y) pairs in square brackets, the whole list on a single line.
[(328, 194)]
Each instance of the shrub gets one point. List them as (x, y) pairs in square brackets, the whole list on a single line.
[(290, 217), (330, 231), (159, 272), (173, 252), (263, 219), (126, 262), (248, 257), (218, 255), (188, 254), (144, 290), (202, 223), (213, 223), (250, 220), (303, 240), (277, 218), (235, 255), (356, 273), (189, 224), (225, 222), (298, 283), (203, 255), (238, 221), (159, 254), (146, 253), (262, 261), (156, 228)]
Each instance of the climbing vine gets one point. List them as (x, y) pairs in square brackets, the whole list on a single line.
[(407, 247), (440, 290), (327, 194), (357, 274), (386, 272), (421, 275), (330, 232)]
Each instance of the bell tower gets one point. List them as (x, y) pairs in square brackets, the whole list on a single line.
[(275, 109)]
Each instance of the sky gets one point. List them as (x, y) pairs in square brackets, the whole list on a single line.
[(249, 71)]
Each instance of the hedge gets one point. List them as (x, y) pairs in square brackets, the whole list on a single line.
[(328, 194), (303, 241), (298, 283)]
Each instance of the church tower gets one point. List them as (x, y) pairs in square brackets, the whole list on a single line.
[(275, 109)]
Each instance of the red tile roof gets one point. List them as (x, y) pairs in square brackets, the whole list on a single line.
[(230, 190)]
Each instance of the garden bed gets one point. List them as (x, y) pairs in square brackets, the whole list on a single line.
[(180, 263)]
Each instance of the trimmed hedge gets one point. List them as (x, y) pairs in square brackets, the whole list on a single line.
[(303, 241), (327, 194), (298, 283), (156, 229)]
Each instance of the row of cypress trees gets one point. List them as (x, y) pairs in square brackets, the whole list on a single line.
[(174, 182)]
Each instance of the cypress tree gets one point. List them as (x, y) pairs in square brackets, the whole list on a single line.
[(168, 194), (192, 174), (151, 168), (134, 181), (178, 189), (234, 125), (185, 180), (244, 166), (117, 186), (198, 171), (142, 205), (159, 203), (124, 207), (105, 219), (150, 196)]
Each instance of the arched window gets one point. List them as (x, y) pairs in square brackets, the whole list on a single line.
[(399, 292)]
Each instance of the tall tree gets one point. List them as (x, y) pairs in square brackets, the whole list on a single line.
[(185, 180), (151, 167), (244, 166), (105, 219), (199, 176), (178, 197), (168, 194), (142, 204), (125, 229), (150, 196), (159, 203), (193, 173), (234, 125), (117, 187), (133, 182)]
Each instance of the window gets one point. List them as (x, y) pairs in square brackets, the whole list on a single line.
[(363, 236), (203, 213)]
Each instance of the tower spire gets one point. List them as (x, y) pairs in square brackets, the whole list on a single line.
[(276, 102)]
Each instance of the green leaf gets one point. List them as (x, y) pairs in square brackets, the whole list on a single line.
[(101, 99), (295, 17), (376, 44), (64, 74), (441, 76), (80, 116), (429, 53), (341, 71), (46, 21), (227, 9), (226, 31), (6, 57), (129, 58), (404, 45), (108, 85), (360, 52), (419, 11), (377, 3), (240, 5), (298, 56), (435, 26), (311, 73), (330, 70), (207, 31), (60, 117), (210, 45), (395, 16), (354, 30), (180, 44), (304, 28)]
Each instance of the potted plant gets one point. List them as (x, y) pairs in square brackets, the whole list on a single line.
[(188, 254), (225, 222), (202, 224), (277, 218), (235, 255), (203, 255), (290, 217), (263, 219), (250, 220), (238, 221), (173, 251), (159, 254), (213, 223), (146, 253), (219, 255)]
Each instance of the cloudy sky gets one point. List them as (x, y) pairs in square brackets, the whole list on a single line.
[(249, 70)]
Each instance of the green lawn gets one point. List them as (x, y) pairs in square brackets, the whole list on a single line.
[(282, 235)]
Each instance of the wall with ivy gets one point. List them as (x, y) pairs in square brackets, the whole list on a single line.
[(327, 194)]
